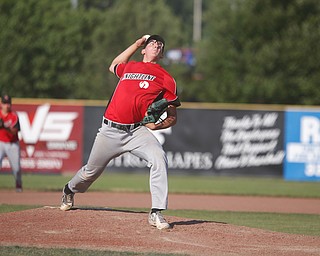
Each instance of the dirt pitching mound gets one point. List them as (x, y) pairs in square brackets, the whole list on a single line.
[(117, 230)]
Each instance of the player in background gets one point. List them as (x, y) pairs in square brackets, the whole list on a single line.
[(140, 84), (9, 141)]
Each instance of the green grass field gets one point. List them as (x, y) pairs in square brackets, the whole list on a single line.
[(32, 251), (248, 186), (305, 224)]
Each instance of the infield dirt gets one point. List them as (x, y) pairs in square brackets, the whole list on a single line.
[(90, 226)]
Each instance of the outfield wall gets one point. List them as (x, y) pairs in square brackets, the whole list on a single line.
[(209, 139)]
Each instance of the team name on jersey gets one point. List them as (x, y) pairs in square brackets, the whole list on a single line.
[(138, 76)]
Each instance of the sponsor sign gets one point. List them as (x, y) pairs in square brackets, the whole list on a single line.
[(214, 141), (302, 140), (50, 138), (58, 138), (251, 141)]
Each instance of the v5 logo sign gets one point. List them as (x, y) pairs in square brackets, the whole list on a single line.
[(51, 137), (45, 125)]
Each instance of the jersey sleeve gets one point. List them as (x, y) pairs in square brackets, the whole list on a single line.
[(17, 125), (171, 93), (119, 69), (15, 122)]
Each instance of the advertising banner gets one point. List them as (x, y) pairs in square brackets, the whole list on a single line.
[(250, 142), (302, 140), (233, 142), (57, 137), (50, 138)]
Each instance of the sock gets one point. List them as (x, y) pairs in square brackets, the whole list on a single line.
[(153, 210), (67, 190)]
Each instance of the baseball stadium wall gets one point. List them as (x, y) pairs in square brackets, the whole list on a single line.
[(209, 139)]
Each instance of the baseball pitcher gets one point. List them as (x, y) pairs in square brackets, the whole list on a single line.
[(145, 90)]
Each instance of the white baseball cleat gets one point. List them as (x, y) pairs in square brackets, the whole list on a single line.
[(67, 201), (157, 220)]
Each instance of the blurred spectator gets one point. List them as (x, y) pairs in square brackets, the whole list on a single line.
[(181, 56)]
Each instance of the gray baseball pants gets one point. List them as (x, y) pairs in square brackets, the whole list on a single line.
[(12, 151), (111, 142)]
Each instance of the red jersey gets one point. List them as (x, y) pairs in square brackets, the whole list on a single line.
[(140, 84), (10, 120)]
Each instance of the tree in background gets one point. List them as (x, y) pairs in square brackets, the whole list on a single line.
[(42, 44), (252, 51), (121, 25), (260, 51), (53, 49)]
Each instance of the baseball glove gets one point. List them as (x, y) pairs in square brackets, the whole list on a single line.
[(1, 123), (155, 110)]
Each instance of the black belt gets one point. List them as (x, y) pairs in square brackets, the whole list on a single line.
[(123, 127)]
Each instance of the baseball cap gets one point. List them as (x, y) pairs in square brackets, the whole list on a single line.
[(6, 99), (155, 37)]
